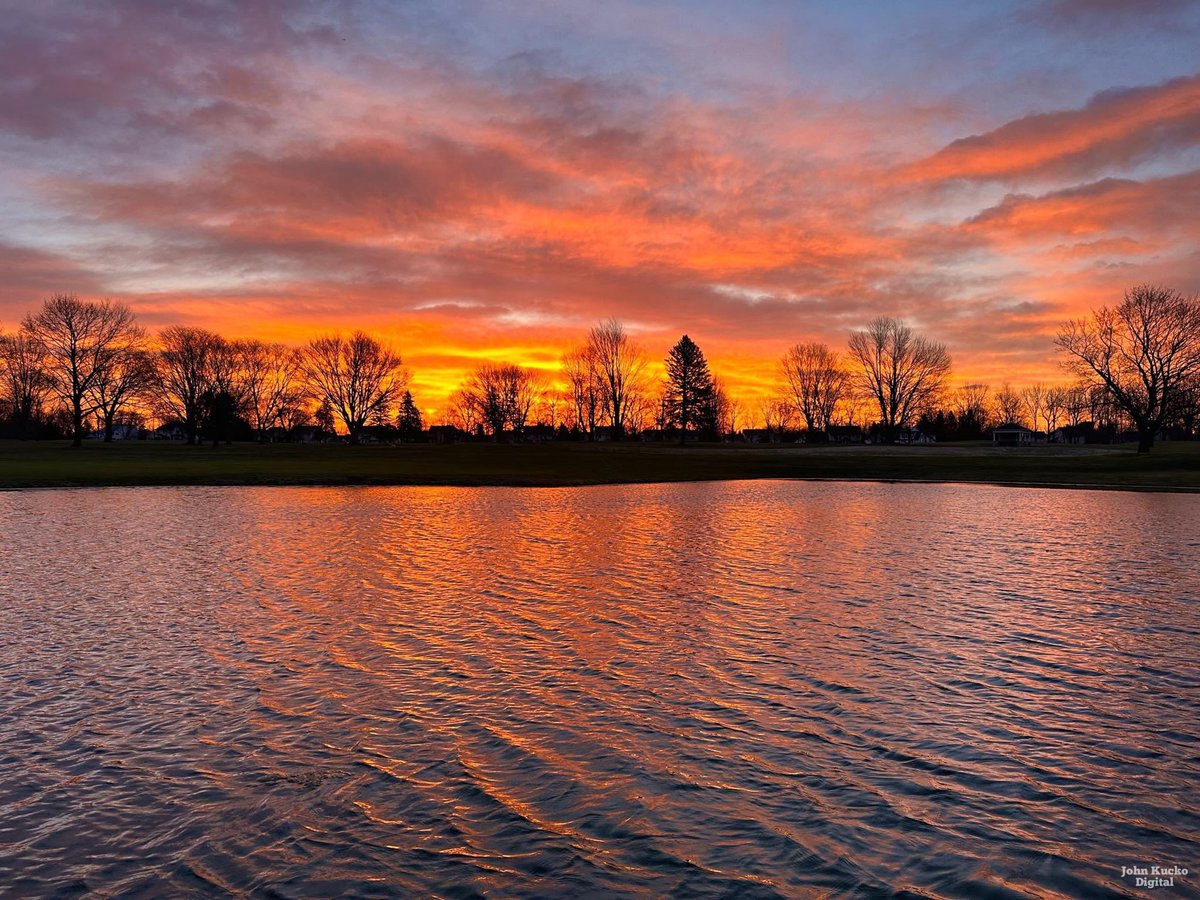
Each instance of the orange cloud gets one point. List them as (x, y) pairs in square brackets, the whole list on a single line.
[(1119, 127)]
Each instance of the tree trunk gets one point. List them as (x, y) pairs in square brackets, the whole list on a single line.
[(1145, 439), (77, 425), (108, 429)]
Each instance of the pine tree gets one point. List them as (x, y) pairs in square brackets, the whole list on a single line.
[(409, 420), (689, 385)]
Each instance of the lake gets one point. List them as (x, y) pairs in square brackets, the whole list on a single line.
[(751, 689)]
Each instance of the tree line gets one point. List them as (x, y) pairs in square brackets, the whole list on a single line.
[(77, 366)]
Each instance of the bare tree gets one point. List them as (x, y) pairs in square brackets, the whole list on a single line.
[(356, 376), (642, 410), (1144, 352), (1101, 409), (270, 382), (900, 370), (79, 339), (622, 365), (25, 383), (502, 396), (1010, 406), (187, 358), (817, 381), (1034, 398), (1076, 404), (586, 384), (295, 416), (974, 402), (226, 375), (462, 413), (1188, 408), (776, 415), (127, 376), (549, 409), (1054, 406), (723, 413)]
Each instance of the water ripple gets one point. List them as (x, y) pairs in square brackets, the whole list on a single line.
[(745, 689)]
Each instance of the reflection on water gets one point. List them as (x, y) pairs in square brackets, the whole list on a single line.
[(760, 689)]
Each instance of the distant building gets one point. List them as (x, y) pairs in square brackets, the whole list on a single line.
[(538, 434), (845, 434), (446, 434), (915, 436), (119, 433), (1073, 434), (1011, 434), (169, 431), (310, 434), (760, 435)]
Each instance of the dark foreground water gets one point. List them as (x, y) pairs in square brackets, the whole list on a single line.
[(739, 689)]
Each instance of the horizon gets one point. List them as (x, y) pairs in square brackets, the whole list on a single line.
[(478, 185)]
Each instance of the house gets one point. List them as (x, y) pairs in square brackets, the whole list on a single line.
[(119, 433), (1073, 434), (760, 435), (168, 431), (445, 434), (915, 436), (310, 434), (844, 434), (538, 434), (1011, 434)]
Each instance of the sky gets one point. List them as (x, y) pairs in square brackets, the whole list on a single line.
[(484, 181)]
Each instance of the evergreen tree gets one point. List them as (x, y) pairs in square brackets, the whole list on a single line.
[(689, 385), (409, 420)]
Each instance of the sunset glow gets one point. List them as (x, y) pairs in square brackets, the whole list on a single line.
[(476, 181)]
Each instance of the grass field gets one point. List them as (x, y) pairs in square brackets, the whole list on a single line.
[(1170, 467)]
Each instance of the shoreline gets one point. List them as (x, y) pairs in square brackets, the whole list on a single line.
[(1173, 469), (561, 485)]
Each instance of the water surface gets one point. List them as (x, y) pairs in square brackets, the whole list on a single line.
[(726, 689)]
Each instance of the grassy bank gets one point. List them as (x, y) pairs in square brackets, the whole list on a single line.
[(1169, 467)]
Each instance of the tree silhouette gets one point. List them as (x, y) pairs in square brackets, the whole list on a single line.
[(501, 396), (356, 376), (127, 375), (1145, 353), (219, 415), (1010, 406), (80, 340), (1034, 398), (186, 360), (901, 371), (972, 405), (689, 385), (325, 418), (409, 421), (776, 414), (25, 385), (622, 365), (586, 382), (817, 382), (270, 382)]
